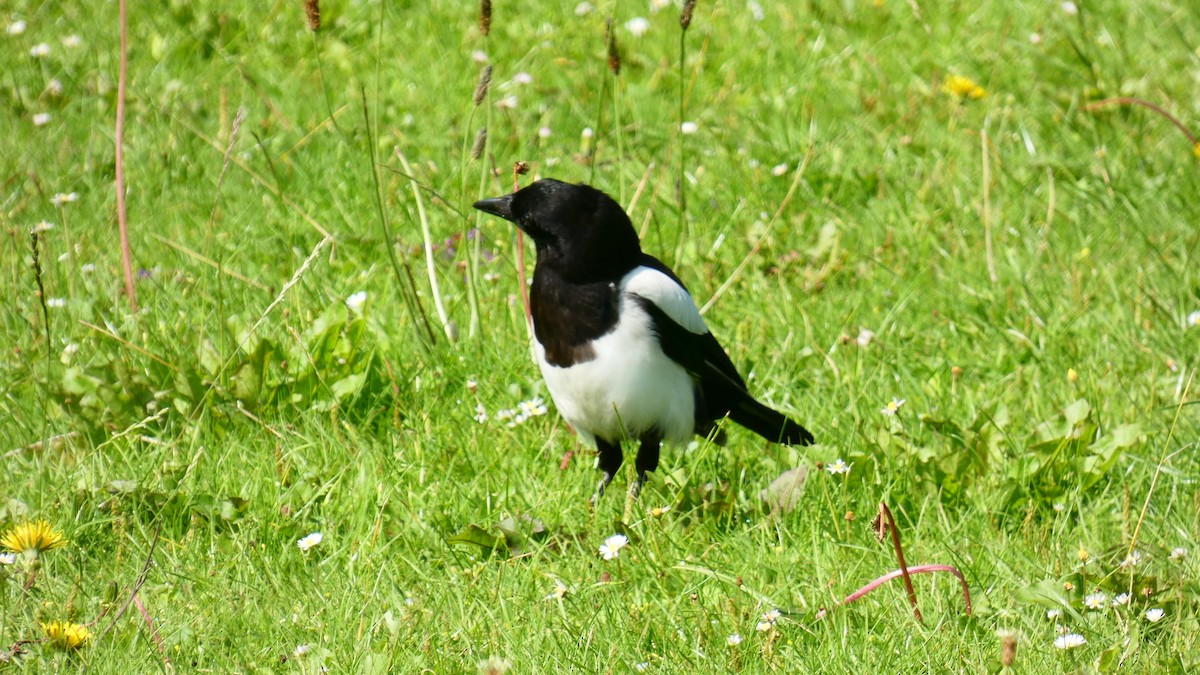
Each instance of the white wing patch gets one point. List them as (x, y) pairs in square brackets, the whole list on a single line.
[(667, 295)]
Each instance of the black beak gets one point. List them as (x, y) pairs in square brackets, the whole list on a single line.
[(497, 206)]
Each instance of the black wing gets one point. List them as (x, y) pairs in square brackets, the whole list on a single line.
[(720, 389)]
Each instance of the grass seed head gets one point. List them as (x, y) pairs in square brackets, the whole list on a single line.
[(614, 53), (312, 10), (485, 81), (485, 17), (685, 17), (479, 144)]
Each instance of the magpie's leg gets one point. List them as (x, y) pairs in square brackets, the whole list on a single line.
[(609, 462), (647, 459)]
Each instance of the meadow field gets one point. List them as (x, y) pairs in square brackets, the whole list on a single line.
[(958, 241)]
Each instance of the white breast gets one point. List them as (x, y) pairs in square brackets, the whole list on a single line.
[(630, 386)]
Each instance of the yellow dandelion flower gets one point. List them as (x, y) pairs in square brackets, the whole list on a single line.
[(66, 634), (32, 538), (1196, 150), (962, 87)]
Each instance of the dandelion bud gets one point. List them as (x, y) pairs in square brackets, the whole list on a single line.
[(614, 54), (1008, 650), (480, 143), (312, 10), (485, 80), (685, 17), (485, 17)]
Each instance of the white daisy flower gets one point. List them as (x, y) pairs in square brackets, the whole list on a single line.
[(1154, 615), (1070, 641), (1132, 560), (611, 548), (310, 541), (688, 128), (560, 591), (637, 26), (838, 466), (356, 302), (1095, 601)]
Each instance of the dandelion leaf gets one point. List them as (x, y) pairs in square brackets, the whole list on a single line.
[(477, 536)]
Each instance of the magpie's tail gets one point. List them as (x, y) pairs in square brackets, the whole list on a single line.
[(768, 423)]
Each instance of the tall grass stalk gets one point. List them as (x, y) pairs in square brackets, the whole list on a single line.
[(312, 10), (685, 21), (401, 269), (475, 149), (122, 212), (427, 238)]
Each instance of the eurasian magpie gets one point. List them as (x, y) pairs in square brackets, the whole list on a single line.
[(623, 350)]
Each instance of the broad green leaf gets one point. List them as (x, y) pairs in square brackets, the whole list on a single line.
[(476, 536)]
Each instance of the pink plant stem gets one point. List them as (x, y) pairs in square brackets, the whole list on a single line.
[(158, 641), (1129, 100), (908, 586), (918, 569)]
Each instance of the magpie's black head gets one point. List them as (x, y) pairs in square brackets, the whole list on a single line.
[(578, 230)]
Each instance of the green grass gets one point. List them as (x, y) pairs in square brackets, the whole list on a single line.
[(319, 421)]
